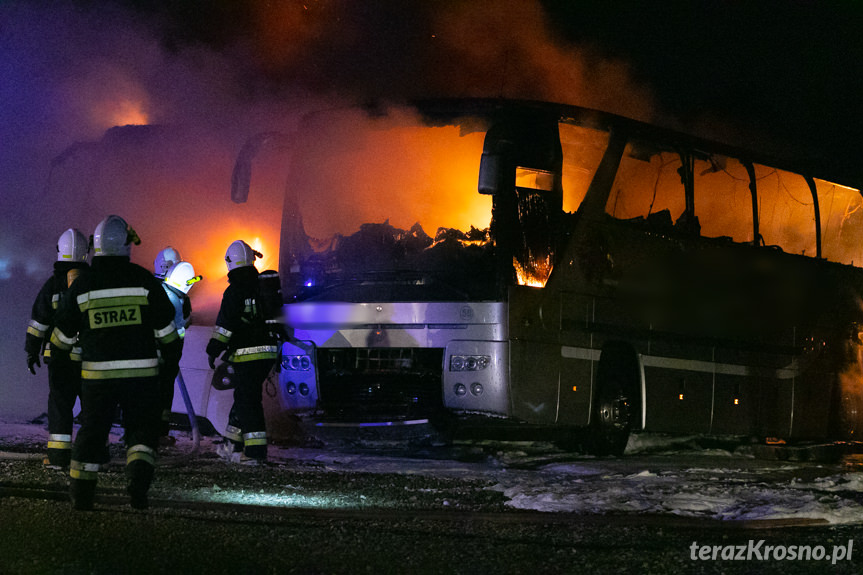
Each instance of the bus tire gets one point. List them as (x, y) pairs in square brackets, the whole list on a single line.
[(615, 400)]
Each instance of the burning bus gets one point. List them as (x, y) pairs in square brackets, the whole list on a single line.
[(547, 267)]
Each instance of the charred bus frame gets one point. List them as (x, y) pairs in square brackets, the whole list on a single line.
[(641, 323)]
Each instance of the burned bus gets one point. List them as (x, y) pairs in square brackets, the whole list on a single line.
[(548, 267)]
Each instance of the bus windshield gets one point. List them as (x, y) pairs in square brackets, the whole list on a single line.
[(386, 208)]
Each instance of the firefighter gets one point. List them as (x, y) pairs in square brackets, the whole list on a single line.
[(164, 260), (64, 370), (178, 280), (121, 317), (243, 338)]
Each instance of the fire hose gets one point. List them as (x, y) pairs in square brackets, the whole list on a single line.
[(190, 411)]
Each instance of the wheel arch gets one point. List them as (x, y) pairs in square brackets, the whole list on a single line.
[(620, 360)]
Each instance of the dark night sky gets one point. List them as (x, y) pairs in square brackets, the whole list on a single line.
[(212, 73), (792, 69)]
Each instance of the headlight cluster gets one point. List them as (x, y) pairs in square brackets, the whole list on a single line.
[(296, 362), (469, 362), (460, 389), (292, 388)]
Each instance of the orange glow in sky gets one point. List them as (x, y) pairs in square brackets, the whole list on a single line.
[(127, 112)]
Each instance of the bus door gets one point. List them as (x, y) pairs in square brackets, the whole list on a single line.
[(521, 169)]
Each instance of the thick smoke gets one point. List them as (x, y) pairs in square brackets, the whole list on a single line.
[(108, 109), (418, 50)]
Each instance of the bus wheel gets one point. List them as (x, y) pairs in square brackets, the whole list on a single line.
[(614, 401), (609, 435)]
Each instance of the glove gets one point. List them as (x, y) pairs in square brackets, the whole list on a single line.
[(33, 360), (211, 359)]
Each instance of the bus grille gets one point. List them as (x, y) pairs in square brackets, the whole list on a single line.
[(371, 384)]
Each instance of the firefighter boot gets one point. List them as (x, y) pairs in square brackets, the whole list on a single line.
[(82, 492), (58, 458), (254, 453), (255, 446), (59, 450), (140, 474)]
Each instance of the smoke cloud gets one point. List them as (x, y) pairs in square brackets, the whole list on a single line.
[(110, 109)]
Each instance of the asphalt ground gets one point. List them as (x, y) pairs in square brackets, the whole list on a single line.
[(44, 536), (299, 515)]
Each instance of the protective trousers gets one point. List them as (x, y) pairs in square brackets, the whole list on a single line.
[(138, 399), (246, 425), (64, 387)]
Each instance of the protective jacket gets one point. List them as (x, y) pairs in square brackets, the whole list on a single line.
[(120, 313), (45, 308), (64, 376), (241, 328)]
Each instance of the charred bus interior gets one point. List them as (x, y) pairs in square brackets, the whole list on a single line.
[(622, 277)]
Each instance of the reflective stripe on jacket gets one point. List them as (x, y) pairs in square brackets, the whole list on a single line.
[(121, 316)]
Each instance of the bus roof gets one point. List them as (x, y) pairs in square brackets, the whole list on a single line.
[(465, 111)]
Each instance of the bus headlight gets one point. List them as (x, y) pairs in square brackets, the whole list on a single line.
[(291, 388), (459, 389), (296, 362), (469, 362), (476, 388)]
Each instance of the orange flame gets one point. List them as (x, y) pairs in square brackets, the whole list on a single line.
[(535, 274)]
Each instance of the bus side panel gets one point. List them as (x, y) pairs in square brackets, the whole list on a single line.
[(534, 332), (678, 400), (814, 394), (534, 373), (755, 389), (774, 400), (735, 405), (577, 367)]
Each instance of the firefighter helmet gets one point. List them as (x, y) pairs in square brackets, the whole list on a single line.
[(182, 276), (72, 246), (164, 260), (113, 237), (240, 254)]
